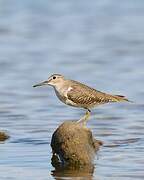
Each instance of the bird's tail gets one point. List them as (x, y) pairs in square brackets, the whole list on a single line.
[(118, 98)]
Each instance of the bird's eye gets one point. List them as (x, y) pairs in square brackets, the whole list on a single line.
[(54, 77)]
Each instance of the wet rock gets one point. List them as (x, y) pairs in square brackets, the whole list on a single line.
[(73, 145), (3, 136)]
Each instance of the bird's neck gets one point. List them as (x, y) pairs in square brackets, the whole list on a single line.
[(62, 86)]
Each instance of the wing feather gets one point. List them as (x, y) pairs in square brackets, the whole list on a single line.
[(85, 96)]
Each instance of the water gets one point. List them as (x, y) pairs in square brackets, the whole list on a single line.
[(99, 43)]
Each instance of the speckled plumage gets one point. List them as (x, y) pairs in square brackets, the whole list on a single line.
[(84, 96)]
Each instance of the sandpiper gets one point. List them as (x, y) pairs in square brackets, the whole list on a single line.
[(76, 94)]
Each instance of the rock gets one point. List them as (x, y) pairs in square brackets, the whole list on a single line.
[(73, 145), (3, 136)]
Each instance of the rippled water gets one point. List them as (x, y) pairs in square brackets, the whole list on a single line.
[(100, 43)]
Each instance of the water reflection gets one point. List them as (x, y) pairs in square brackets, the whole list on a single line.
[(82, 173), (123, 142)]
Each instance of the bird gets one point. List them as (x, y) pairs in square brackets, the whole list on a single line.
[(79, 95)]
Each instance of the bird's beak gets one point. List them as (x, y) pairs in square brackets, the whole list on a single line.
[(41, 84)]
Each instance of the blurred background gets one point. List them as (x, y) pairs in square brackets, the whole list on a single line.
[(100, 43)]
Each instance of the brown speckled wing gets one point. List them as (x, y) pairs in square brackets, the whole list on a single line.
[(85, 96)]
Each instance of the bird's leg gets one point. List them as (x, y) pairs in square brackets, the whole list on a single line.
[(84, 119)]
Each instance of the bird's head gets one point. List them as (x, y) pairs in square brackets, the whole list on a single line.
[(53, 80)]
